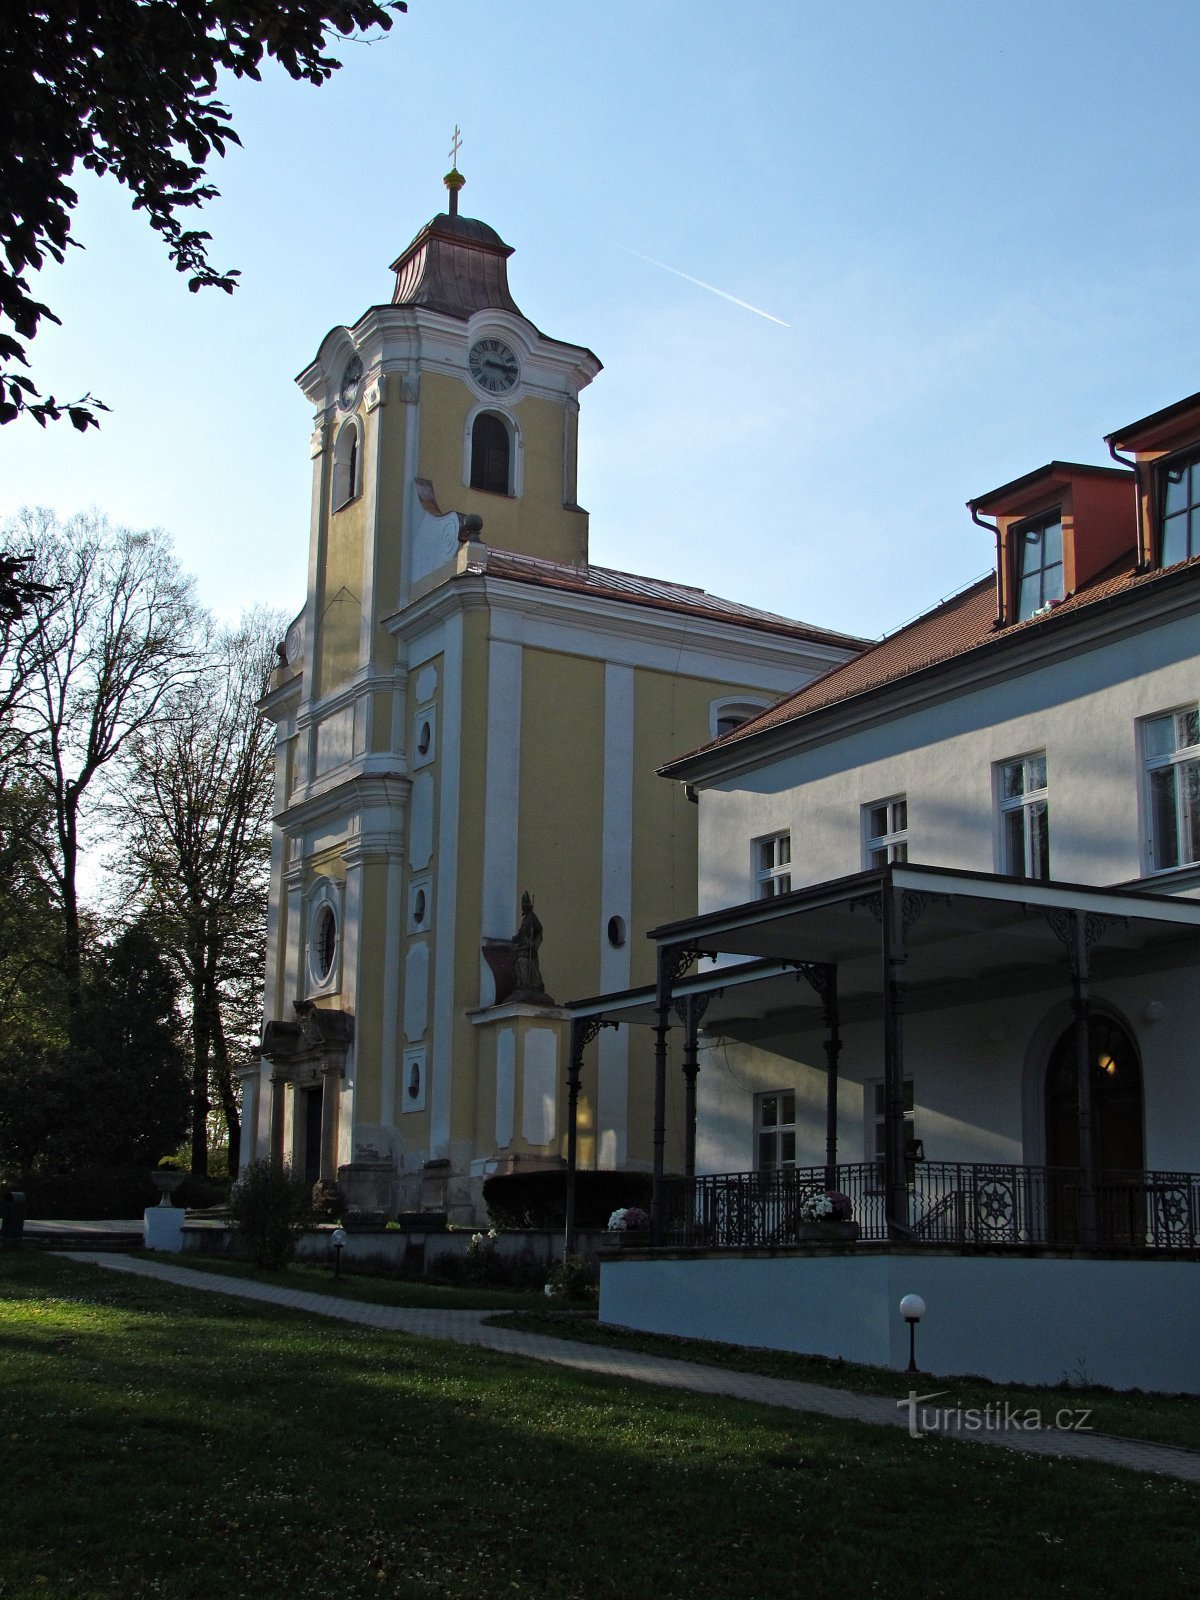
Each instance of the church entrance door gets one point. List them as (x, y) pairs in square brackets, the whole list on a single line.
[(312, 1132)]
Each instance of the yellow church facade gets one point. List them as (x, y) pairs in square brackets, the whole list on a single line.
[(468, 709)]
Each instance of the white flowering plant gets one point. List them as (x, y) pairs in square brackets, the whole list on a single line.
[(572, 1278), (627, 1218), (829, 1207)]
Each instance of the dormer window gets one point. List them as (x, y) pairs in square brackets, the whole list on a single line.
[(1056, 530), (1039, 560), (1179, 513)]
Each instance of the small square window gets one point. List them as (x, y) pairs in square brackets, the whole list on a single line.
[(773, 866), (885, 830), (1171, 750), (775, 1130), (1024, 817), (1038, 564), (878, 1123)]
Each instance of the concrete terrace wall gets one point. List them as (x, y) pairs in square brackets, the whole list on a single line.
[(1126, 1324)]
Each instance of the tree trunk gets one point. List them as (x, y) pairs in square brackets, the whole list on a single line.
[(201, 1047)]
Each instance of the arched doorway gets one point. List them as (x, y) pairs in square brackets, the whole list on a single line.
[(1118, 1143)]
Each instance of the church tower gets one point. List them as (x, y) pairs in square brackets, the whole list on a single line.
[(466, 709)]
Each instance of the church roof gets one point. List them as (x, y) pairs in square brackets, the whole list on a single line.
[(661, 593), (456, 265)]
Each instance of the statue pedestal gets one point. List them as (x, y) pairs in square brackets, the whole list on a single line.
[(162, 1227), (522, 1070)]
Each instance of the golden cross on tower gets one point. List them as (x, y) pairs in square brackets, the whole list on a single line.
[(454, 179)]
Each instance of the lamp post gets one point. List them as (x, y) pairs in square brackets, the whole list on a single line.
[(338, 1240), (912, 1309)]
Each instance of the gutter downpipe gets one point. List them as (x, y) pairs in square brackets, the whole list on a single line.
[(1143, 560), (993, 528)]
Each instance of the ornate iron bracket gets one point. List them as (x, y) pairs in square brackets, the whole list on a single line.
[(1062, 925), (585, 1029), (696, 1005)]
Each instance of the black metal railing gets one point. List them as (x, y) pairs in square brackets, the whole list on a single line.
[(967, 1204)]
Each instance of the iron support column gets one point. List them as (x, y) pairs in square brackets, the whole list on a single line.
[(833, 1049), (574, 1065), (661, 1028), (1081, 1006), (894, 956)]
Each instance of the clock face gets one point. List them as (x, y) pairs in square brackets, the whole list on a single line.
[(493, 366), (351, 379)]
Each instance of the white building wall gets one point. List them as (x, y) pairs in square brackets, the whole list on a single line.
[(1083, 711), (978, 1076)]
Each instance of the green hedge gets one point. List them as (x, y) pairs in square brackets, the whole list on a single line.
[(91, 1193), (539, 1199)]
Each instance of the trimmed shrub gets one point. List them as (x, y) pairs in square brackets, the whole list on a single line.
[(539, 1199), (268, 1206), (91, 1193)]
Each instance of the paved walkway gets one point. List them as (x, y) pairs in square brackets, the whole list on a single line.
[(469, 1327)]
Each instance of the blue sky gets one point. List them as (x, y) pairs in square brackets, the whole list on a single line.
[(975, 220)]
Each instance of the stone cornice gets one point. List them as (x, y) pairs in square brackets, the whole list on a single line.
[(360, 790), (603, 618)]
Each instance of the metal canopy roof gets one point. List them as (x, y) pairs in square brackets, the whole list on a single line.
[(960, 928)]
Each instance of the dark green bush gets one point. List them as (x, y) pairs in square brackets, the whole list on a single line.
[(539, 1199), (90, 1193), (268, 1206)]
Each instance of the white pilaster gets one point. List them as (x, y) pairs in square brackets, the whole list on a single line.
[(442, 1054), (616, 900), (502, 795)]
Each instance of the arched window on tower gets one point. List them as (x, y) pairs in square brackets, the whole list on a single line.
[(491, 454), (347, 472)]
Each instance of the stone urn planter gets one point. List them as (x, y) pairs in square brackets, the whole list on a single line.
[(166, 1180)]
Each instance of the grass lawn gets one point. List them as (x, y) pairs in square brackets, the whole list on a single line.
[(179, 1445), (1163, 1418), (363, 1286)]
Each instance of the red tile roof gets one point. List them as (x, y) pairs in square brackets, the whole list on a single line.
[(955, 627), (660, 593)]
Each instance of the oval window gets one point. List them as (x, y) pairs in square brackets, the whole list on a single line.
[(326, 943)]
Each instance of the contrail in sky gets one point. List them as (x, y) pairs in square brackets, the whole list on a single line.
[(700, 284)]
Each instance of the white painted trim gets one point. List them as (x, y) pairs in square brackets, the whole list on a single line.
[(412, 506), (389, 1045), (616, 899), (516, 444), (630, 635), (446, 846), (502, 795), (371, 449)]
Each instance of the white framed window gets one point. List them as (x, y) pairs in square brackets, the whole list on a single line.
[(726, 714), (774, 1130), (877, 1124), (424, 736), (1024, 816), (324, 938), (411, 1086), (420, 905), (1171, 749), (1039, 565), (347, 464), (885, 831), (1179, 509), (772, 866)]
